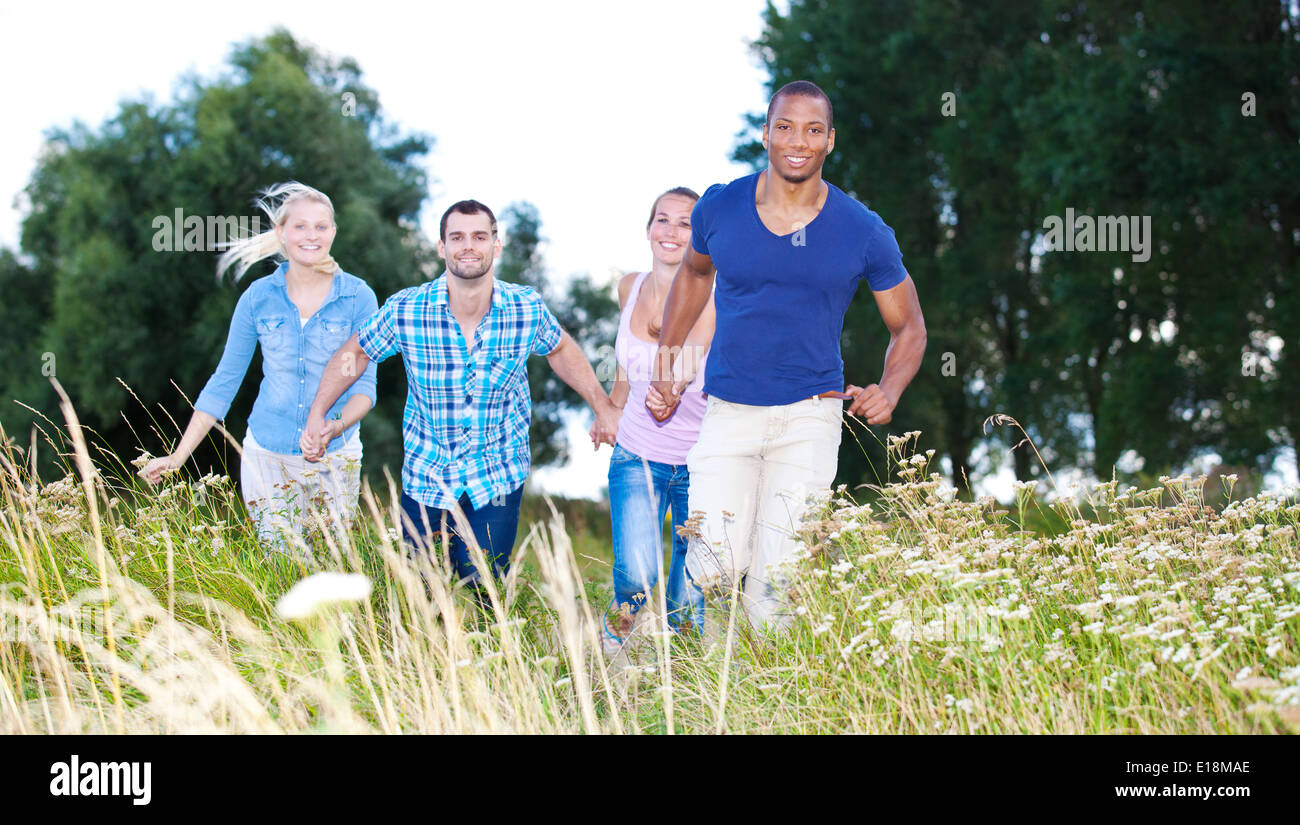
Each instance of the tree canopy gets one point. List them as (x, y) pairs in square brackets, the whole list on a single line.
[(967, 127), (132, 330)]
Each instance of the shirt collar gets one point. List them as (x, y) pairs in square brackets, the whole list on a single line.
[(341, 285), (438, 291)]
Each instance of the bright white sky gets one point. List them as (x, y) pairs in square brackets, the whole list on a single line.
[(587, 109)]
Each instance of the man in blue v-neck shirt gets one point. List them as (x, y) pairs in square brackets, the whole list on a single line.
[(787, 250)]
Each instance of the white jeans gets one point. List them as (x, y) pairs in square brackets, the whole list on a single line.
[(751, 472), (282, 491)]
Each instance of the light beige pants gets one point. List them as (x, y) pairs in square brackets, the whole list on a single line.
[(284, 491), (751, 472)]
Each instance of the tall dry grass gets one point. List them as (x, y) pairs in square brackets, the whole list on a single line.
[(154, 610)]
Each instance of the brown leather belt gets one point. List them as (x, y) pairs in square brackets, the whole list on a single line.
[(844, 396)]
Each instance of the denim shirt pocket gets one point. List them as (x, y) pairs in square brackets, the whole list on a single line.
[(277, 338), (331, 333)]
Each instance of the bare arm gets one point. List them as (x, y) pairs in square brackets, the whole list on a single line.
[(697, 345), (200, 423), (352, 412), (573, 368), (690, 293), (900, 308), (618, 397), (618, 393), (344, 368)]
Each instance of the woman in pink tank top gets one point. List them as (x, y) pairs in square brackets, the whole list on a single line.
[(647, 472)]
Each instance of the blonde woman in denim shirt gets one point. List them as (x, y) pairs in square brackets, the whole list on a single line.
[(299, 314)]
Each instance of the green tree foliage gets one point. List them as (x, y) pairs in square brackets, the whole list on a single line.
[(98, 303), (966, 126), (1141, 112), (107, 305)]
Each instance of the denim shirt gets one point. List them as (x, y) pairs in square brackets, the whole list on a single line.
[(293, 357)]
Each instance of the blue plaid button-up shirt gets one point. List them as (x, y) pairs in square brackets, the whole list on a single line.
[(465, 428)]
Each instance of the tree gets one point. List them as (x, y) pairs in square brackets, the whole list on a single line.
[(108, 305), (966, 128), (105, 304), (1144, 112)]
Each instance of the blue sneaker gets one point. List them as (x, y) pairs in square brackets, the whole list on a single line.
[(610, 642)]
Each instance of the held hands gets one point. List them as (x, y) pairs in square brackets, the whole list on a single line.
[(600, 435), (662, 398), (605, 430), (317, 434), (871, 402)]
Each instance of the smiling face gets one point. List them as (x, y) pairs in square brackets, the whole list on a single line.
[(470, 247), (797, 137), (307, 232), (670, 229)]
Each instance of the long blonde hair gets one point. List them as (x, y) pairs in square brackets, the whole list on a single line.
[(275, 202)]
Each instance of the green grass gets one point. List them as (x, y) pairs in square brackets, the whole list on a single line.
[(135, 609)]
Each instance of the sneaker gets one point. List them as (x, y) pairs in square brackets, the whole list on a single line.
[(610, 642)]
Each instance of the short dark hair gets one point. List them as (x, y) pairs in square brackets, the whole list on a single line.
[(470, 207), (803, 88), (679, 191)]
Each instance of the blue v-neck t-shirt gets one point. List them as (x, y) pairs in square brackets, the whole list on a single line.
[(781, 299)]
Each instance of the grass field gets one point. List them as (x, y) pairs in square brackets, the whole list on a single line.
[(135, 609)]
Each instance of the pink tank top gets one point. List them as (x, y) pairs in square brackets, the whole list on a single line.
[(664, 441)]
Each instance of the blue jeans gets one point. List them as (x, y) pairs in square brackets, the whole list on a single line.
[(494, 527), (637, 507)]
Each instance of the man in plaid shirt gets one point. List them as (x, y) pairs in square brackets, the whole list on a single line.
[(465, 339)]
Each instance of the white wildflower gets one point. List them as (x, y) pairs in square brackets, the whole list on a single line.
[(320, 589)]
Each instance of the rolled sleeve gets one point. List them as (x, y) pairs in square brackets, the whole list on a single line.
[(365, 308), (377, 336), (548, 334), (367, 383), (221, 388)]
